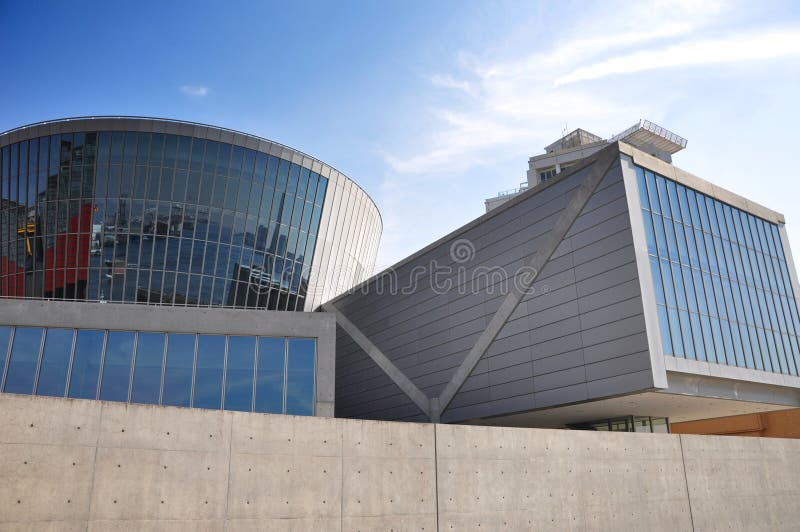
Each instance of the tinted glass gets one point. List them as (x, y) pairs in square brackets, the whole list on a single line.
[(147, 370), (24, 357), (728, 269), (55, 363), (300, 376), (210, 368), (239, 373), (178, 370), (270, 375), (86, 364), (127, 210), (117, 366)]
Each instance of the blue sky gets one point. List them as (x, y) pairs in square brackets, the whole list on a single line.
[(430, 106)]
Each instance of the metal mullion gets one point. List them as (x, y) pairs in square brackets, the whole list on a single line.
[(70, 361), (102, 364), (755, 304), (194, 369), (314, 377), (165, 348), (7, 358), (723, 279), (133, 365), (39, 360), (224, 373), (285, 371), (255, 377)]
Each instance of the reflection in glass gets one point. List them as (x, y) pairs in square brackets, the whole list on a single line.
[(86, 364), (55, 363), (300, 376), (727, 268), (22, 363), (147, 371), (178, 370), (100, 206)]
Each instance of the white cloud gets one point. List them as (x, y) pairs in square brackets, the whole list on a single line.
[(195, 91), (516, 105), (730, 49)]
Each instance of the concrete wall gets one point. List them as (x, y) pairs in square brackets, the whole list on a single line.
[(88, 465), (578, 335)]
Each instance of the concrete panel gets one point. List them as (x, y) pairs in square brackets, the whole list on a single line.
[(523, 479), (743, 483), (304, 473)]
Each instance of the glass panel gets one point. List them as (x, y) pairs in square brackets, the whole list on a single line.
[(270, 375), (300, 376), (178, 370), (24, 356), (239, 373), (55, 363), (147, 372), (117, 366), (210, 367), (86, 364)]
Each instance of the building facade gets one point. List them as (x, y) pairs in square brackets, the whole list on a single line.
[(194, 239), (624, 288)]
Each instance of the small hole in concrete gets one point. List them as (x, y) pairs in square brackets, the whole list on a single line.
[(31, 427), (25, 462), (69, 501), (208, 469), (115, 501), (19, 501), (73, 463), (123, 430), (162, 502), (79, 428), (167, 433)]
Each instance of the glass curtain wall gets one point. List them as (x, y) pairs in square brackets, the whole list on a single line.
[(156, 218), (721, 279), (246, 373)]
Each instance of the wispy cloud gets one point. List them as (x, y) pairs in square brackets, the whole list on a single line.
[(514, 104), (735, 48), (195, 91)]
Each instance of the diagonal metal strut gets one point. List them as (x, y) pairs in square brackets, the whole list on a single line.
[(433, 408)]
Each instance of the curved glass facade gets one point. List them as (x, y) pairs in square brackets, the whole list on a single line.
[(721, 280), (156, 218), (246, 373)]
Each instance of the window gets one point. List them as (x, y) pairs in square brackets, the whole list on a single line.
[(239, 373), (178, 370), (147, 371), (719, 274), (55, 362), (210, 368), (86, 364), (22, 363), (117, 366), (300, 376), (270, 375)]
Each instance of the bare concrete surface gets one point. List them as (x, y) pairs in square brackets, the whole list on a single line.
[(74, 465)]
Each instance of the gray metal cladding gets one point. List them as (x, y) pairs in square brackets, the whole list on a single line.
[(579, 333)]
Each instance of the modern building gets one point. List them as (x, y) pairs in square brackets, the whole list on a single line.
[(166, 262), (579, 144), (615, 295)]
